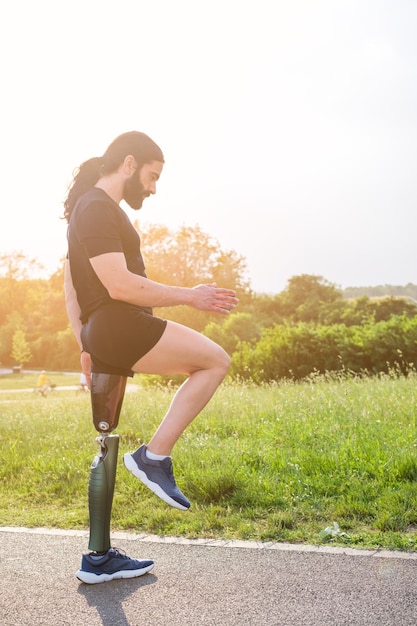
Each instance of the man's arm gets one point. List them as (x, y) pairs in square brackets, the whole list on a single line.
[(123, 285), (71, 303), (73, 311)]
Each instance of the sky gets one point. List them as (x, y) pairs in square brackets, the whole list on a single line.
[(289, 128)]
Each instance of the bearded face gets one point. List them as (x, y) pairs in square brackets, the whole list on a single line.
[(134, 192)]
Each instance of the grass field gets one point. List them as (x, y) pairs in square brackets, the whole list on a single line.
[(275, 463)]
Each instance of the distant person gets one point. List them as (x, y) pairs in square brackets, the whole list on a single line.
[(43, 383), (109, 301), (83, 382)]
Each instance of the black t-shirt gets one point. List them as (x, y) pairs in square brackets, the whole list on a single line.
[(98, 225)]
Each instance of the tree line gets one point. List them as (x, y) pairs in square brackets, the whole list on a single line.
[(310, 327)]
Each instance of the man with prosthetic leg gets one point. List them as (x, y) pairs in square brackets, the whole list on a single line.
[(105, 563), (110, 302)]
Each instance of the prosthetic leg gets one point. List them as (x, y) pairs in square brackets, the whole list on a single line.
[(107, 393)]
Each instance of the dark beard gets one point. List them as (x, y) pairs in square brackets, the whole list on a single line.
[(134, 192)]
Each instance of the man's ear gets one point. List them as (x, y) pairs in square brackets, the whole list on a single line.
[(129, 165)]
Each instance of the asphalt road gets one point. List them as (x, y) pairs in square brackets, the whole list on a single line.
[(204, 583)]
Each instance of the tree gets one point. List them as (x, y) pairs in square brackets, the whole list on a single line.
[(188, 257), (17, 265), (20, 348), (13, 322), (306, 294)]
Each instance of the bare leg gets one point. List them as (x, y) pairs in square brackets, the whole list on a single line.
[(182, 350)]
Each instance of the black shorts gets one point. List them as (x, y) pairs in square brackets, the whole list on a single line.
[(117, 335)]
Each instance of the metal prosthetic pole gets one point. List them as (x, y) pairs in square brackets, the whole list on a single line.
[(107, 393)]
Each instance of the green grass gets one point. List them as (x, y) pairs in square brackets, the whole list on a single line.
[(29, 381), (272, 463)]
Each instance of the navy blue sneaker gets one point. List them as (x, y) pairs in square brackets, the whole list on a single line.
[(113, 564), (158, 476)]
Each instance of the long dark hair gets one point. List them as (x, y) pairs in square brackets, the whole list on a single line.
[(139, 145)]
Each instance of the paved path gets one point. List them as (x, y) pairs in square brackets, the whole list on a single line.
[(205, 583), (129, 388)]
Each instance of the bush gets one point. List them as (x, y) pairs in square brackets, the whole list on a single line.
[(296, 351)]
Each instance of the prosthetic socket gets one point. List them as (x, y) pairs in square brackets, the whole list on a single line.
[(107, 393)]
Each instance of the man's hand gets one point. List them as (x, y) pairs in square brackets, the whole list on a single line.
[(213, 298), (85, 361)]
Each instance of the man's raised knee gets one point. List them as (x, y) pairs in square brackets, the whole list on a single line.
[(224, 361)]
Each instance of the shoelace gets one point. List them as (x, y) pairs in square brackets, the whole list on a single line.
[(121, 554), (167, 465)]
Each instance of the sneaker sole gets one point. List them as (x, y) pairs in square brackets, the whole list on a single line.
[(93, 579), (131, 465)]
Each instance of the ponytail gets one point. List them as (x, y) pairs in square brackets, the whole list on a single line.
[(85, 177)]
